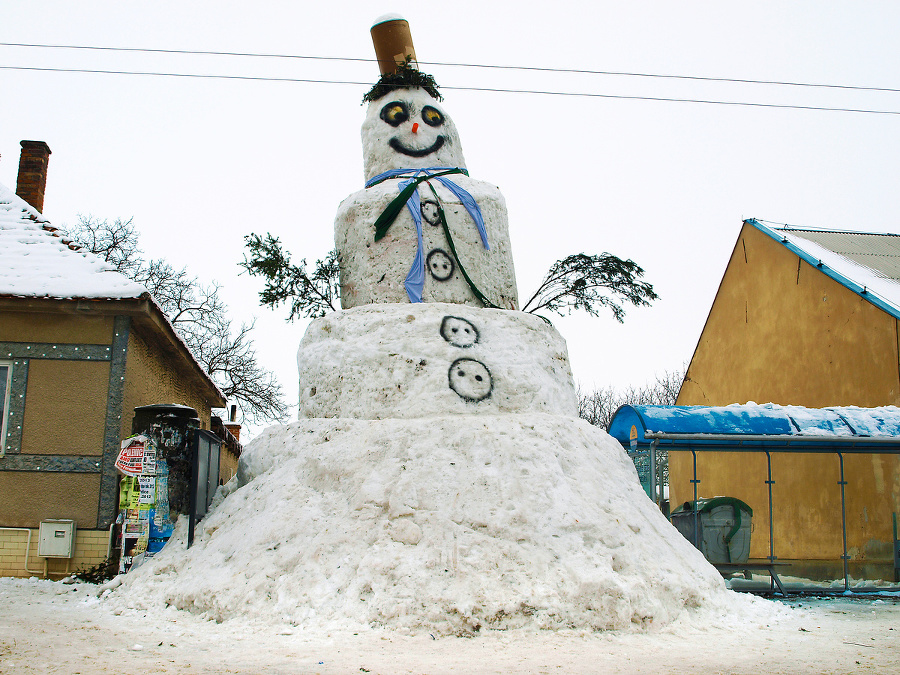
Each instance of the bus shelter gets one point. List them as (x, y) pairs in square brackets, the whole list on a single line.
[(740, 442)]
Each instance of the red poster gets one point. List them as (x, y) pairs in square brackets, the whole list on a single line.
[(131, 458)]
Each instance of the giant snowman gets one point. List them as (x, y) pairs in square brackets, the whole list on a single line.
[(438, 477)]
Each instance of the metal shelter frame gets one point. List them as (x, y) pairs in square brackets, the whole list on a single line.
[(648, 432), (826, 445)]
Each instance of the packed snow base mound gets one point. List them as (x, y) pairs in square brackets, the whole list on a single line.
[(447, 524)]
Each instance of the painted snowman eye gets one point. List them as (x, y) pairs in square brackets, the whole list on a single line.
[(432, 117), (395, 113)]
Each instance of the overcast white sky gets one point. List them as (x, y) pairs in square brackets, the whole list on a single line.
[(199, 163)]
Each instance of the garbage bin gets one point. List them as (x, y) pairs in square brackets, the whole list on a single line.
[(719, 527), (156, 463), (168, 425)]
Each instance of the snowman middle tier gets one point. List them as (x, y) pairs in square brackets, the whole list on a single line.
[(419, 360), (374, 271)]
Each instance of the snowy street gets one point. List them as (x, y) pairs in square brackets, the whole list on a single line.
[(48, 627)]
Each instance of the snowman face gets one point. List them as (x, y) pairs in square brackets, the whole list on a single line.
[(459, 332), (408, 129), (470, 379)]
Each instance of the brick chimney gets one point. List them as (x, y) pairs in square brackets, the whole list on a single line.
[(233, 426), (33, 173)]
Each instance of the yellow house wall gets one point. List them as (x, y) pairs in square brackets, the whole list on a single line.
[(19, 557), (781, 331), (65, 407), (228, 465), (150, 379), (65, 413), (28, 497), (62, 396), (55, 328)]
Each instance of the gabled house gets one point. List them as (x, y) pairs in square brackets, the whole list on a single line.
[(809, 318), (81, 346)]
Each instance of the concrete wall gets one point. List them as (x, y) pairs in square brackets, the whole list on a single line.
[(781, 331)]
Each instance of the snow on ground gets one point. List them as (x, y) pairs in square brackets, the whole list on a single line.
[(442, 525), (472, 544), (50, 628), (276, 578)]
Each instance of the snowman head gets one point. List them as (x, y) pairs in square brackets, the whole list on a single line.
[(407, 128)]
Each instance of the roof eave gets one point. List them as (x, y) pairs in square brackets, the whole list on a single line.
[(142, 308), (844, 281)]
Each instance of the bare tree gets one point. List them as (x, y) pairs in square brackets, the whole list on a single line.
[(196, 312), (599, 406), (115, 242)]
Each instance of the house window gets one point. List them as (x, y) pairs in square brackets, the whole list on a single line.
[(5, 380)]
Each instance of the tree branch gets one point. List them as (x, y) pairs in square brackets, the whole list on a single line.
[(590, 282)]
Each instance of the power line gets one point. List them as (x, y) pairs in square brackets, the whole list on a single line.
[(197, 75), (783, 83), (673, 77), (682, 100), (485, 89), (189, 51)]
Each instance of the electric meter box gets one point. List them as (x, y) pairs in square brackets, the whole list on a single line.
[(57, 539)]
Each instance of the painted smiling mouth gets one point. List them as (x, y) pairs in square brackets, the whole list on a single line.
[(413, 152)]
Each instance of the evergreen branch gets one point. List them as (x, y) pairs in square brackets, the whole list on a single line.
[(310, 295), (591, 282)]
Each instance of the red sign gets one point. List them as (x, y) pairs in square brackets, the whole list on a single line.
[(131, 458)]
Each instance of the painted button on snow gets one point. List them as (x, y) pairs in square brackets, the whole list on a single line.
[(440, 265), (470, 379), (430, 212), (458, 332)]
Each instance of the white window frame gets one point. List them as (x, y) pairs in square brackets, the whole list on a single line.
[(5, 405)]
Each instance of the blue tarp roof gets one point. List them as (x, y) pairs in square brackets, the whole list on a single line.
[(756, 420)]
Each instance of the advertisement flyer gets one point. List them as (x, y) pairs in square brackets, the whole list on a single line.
[(129, 493), (147, 489), (143, 501), (131, 458), (149, 460), (135, 538)]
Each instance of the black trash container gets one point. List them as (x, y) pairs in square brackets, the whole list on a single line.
[(169, 425)]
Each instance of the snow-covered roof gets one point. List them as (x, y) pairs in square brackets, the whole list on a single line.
[(866, 263), (836, 422), (36, 261)]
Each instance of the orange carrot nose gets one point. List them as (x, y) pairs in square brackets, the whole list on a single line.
[(415, 127)]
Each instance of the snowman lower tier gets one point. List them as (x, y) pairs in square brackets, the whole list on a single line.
[(375, 271), (419, 360)]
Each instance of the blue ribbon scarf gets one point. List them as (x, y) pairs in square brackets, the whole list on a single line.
[(415, 279)]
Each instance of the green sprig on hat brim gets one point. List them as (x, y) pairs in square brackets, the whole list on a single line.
[(405, 77)]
